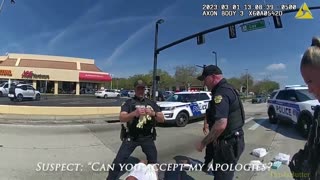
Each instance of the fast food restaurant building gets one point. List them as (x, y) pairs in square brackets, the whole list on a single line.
[(53, 74)]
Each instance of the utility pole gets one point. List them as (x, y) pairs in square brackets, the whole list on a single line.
[(155, 61), (247, 90), (117, 83)]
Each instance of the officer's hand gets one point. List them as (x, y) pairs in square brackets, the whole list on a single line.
[(205, 128), (150, 112), (199, 147), (141, 111)]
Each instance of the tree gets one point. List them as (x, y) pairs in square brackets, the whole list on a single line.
[(235, 82), (185, 75), (166, 80), (243, 79), (265, 87), (124, 83)]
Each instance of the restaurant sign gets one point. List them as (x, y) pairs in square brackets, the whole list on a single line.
[(5, 72), (31, 75)]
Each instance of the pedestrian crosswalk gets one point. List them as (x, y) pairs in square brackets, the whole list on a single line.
[(257, 124), (253, 123)]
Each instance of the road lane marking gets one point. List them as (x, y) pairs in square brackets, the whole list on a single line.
[(257, 124), (246, 121), (249, 119)]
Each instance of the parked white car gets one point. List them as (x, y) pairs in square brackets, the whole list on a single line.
[(23, 91), (107, 93), (131, 93), (4, 89)]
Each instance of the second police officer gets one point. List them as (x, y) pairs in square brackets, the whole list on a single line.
[(227, 113), (140, 114)]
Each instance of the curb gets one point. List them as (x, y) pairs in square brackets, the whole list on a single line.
[(42, 119), (58, 110)]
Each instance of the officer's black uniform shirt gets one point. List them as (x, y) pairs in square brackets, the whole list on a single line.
[(221, 100), (130, 106)]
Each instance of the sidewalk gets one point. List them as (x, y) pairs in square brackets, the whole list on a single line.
[(49, 119)]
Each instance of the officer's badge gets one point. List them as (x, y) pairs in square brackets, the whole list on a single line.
[(217, 99)]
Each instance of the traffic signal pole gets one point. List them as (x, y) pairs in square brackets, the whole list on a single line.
[(221, 27), (200, 38)]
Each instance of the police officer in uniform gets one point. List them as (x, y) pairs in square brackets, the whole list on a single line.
[(306, 161), (141, 115), (227, 113)]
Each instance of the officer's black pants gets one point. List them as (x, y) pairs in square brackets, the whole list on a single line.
[(126, 149), (209, 154), (227, 154)]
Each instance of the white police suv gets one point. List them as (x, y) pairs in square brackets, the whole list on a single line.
[(293, 103), (180, 107)]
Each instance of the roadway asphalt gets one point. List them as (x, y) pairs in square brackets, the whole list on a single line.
[(67, 101), (26, 150)]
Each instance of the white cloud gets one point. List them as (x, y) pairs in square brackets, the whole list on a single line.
[(276, 67), (280, 77), (262, 74), (123, 20), (77, 24), (134, 37)]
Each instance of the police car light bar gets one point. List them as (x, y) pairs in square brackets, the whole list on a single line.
[(291, 86)]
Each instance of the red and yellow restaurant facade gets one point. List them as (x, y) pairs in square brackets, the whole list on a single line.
[(53, 74)]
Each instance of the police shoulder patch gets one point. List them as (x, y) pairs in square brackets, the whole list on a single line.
[(217, 99)]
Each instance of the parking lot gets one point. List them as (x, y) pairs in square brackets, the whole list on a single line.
[(67, 101)]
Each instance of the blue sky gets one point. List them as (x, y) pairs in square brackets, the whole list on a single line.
[(119, 35)]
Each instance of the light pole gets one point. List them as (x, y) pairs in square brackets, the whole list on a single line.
[(117, 83), (155, 56), (215, 53), (247, 83), (111, 80)]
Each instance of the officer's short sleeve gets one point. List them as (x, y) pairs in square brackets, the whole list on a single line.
[(221, 104), (156, 107), (125, 107)]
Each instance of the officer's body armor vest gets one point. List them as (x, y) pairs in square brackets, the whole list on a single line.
[(131, 125), (314, 145), (236, 111)]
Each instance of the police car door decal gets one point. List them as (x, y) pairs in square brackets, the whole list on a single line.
[(290, 110), (195, 109)]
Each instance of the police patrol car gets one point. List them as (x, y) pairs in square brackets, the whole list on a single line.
[(293, 103), (180, 107)]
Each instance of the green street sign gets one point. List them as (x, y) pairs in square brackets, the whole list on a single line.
[(253, 26)]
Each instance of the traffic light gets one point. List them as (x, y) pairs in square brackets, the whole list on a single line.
[(277, 22), (232, 32), (157, 78), (200, 39), (243, 89)]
